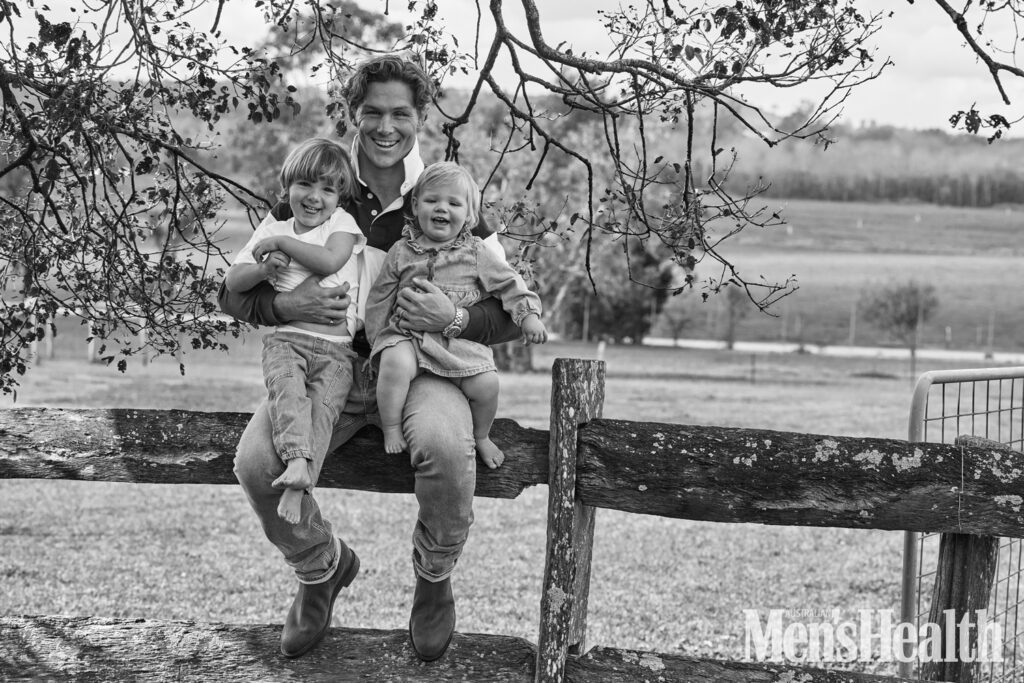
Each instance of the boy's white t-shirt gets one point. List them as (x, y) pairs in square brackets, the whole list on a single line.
[(294, 273)]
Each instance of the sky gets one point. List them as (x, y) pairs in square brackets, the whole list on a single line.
[(933, 75), (933, 72)]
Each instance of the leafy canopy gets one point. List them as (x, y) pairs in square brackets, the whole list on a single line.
[(111, 110)]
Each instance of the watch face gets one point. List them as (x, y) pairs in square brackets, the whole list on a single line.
[(455, 326)]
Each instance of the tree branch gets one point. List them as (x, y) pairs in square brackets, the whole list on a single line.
[(994, 67)]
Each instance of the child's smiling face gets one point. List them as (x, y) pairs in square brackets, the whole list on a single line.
[(441, 210), (312, 201)]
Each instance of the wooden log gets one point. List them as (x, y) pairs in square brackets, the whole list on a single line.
[(101, 649), (747, 475), (96, 649), (189, 447), (964, 576), (577, 396), (609, 665)]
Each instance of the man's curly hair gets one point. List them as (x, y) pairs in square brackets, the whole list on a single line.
[(385, 68)]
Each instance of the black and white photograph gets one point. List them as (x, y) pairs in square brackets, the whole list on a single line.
[(512, 340)]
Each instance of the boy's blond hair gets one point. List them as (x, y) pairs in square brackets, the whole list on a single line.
[(319, 159), (449, 172)]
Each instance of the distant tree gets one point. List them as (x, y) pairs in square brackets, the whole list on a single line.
[(676, 319), (737, 307), (309, 42), (627, 307), (901, 309)]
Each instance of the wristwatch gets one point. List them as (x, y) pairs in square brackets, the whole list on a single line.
[(454, 328)]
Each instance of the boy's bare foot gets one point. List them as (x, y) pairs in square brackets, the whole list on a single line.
[(290, 507), (489, 453), (394, 441), (296, 476)]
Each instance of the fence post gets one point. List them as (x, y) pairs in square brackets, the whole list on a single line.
[(963, 583), (964, 575), (577, 396), (48, 339), (92, 352)]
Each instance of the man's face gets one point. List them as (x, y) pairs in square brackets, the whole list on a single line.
[(387, 122)]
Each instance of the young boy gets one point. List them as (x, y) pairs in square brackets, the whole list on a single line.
[(307, 367)]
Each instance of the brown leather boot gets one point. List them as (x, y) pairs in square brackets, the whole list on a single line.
[(433, 618), (310, 613)]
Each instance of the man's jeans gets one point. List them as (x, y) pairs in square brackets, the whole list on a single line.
[(439, 429)]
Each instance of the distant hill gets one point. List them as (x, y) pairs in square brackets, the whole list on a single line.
[(884, 163)]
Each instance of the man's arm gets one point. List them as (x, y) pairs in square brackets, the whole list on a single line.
[(263, 305), (309, 302), (255, 306), (488, 323), (427, 309)]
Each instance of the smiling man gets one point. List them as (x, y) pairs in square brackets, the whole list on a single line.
[(387, 98)]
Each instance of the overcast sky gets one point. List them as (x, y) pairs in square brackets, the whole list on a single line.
[(933, 74)]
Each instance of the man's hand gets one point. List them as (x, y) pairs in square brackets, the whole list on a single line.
[(311, 303), (424, 307)]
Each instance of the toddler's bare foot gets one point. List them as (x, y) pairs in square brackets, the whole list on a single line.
[(489, 453), (290, 507), (394, 441), (296, 476)]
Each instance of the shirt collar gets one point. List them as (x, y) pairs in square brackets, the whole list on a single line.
[(412, 162), (412, 233)]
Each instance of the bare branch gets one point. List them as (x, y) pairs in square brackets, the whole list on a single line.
[(994, 67)]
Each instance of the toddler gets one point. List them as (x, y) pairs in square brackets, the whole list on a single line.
[(307, 367), (437, 245)]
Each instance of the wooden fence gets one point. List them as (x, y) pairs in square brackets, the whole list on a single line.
[(682, 471)]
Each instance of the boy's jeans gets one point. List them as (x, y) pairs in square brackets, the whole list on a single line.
[(308, 380), (439, 429)]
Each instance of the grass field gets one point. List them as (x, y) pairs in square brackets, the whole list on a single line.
[(196, 552), (838, 250)]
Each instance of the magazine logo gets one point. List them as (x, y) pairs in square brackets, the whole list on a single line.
[(874, 636)]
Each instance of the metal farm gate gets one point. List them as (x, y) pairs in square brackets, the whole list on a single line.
[(986, 403)]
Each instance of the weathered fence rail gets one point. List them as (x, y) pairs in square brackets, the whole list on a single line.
[(693, 472), (702, 473), (185, 447), (719, 474)]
